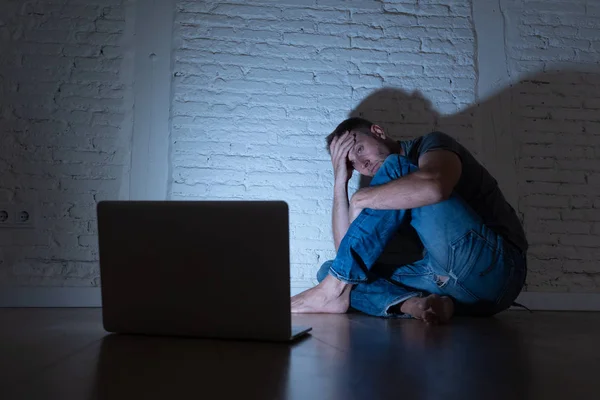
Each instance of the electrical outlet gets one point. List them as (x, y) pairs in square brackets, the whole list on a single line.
[(23, 216), (6, 215), (17, 215)]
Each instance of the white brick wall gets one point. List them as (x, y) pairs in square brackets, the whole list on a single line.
[(553, 52), (258, 86), (65, 117)]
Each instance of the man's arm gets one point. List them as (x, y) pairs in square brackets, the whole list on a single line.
[(438, 174), (342, 171), (340, 215)]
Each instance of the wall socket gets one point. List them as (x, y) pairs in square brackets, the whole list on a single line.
[(14, 215)]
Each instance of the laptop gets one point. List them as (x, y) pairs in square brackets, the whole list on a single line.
[(212, 269)]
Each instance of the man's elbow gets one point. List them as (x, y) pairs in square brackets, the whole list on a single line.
[(440, 192)]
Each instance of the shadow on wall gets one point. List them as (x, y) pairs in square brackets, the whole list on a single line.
[(540, 138)]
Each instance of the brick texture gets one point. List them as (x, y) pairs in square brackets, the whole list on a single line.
[(65, 118), (552, 52), (258, 85)]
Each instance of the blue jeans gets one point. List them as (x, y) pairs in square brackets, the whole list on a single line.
[(464, 259)]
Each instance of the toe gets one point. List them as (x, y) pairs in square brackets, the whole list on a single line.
[(430, 317), (447, 308)]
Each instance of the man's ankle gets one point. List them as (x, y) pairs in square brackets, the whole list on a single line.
[(408, 305), (335, 285)]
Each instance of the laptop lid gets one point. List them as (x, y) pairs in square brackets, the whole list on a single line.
[(196, 268)]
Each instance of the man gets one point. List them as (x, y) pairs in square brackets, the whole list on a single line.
[(474, 260)]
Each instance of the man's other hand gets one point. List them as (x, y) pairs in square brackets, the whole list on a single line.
[(340, 147)]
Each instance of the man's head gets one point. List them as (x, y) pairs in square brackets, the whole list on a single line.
[(371, 146)]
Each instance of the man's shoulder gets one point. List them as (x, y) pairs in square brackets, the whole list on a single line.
[(437, 140), (438, 135), (433, 136)]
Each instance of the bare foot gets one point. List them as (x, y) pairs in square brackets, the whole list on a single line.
[(432, 309), (331, 296)]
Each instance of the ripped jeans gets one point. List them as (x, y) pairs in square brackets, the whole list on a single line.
[(462, 258)]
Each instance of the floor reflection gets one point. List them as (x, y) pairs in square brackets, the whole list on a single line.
[(380, 359), (347, 357), (138, 367)]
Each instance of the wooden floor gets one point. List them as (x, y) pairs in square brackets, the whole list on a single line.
[(65, 354)]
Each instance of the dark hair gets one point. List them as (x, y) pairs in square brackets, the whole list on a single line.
[(355, 124)]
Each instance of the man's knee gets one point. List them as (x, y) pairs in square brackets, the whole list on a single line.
[(324, 270), (395, 166)]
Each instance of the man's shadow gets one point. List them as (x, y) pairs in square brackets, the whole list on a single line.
[(539, 138)]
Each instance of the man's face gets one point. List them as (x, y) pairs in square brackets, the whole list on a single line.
[(368, 153)]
